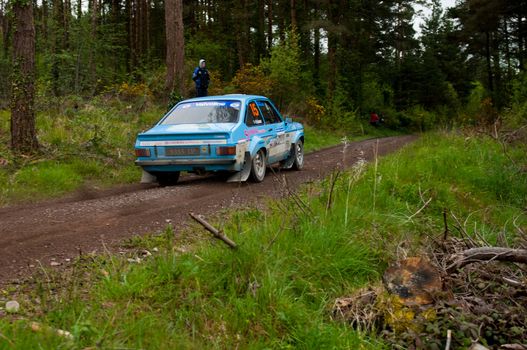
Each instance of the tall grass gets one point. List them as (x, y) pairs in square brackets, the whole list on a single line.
[(93, 143), (277, 289)]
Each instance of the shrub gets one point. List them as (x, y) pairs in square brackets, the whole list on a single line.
[(420, 119), (479, 108), (251, 79)]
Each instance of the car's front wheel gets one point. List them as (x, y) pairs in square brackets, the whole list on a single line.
[(167, 179), (258, 166), (298, 164)]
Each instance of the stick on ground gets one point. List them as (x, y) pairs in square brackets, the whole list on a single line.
[(216, 233), (485, 254)]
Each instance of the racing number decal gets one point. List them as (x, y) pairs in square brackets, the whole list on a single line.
[(254, 109)]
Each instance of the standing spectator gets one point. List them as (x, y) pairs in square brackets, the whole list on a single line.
[(374, 119), (201, 78)]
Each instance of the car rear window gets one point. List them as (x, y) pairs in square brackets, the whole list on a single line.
[(203, 112)]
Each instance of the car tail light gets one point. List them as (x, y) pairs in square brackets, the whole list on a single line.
[(142, 152), (226, 150)]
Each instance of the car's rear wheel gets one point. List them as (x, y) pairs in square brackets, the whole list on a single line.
[(258, 166), (298, 164), (167, 179)]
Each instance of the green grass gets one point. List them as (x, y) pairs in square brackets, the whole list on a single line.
[(277, 289), (93, 146)]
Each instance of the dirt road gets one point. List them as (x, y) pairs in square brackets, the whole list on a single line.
[(39, 233)]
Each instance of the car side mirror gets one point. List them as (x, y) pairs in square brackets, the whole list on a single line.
[(288, 120)]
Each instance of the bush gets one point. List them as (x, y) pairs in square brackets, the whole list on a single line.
[(251, 79), (516, 116), (420, 119), (479, 109)]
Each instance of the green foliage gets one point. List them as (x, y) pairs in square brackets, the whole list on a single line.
[(285, 66), (475, 99), (516, 116), (420, 119), (5, 72), (174, 99), (376, 94), (252, 80)]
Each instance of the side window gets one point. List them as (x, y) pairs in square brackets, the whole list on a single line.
[(269, 112), (253, 116)]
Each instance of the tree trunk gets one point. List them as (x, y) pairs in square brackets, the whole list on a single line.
[(78, 60), (243, 38), (293, 15), (332, 63), (269, 25), (507, 47), (6, 32), (93, 36), (3, 20), (44, 21), (520, 42), (130, 51), (498, 96), (334, 16), (280, 14), (316, 51), (175, 40), (260, 34), (489, 63), (66, 15), (79, 11), (23, 132)]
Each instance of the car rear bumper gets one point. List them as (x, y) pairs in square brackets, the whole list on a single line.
[(197, 162)]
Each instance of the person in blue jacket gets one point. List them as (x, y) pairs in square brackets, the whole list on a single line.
[(201, 78)]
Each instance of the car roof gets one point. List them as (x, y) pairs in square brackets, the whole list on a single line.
[(241, 97)]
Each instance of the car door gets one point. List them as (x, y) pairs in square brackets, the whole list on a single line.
[(257, 129), (277, 146)]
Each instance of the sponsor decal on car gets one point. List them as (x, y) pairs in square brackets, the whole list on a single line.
[(181, 143)]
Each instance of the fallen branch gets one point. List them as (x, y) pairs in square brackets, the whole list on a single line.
[(487, 254), (445, 222), (448, 339), (420, 210), (216, 233)]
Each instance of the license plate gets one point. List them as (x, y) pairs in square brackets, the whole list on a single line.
[(182, 151)]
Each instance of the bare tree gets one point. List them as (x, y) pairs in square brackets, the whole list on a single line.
[(23, 132), (175, 39)]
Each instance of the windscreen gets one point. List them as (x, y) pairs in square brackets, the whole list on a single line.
[(204, 112)]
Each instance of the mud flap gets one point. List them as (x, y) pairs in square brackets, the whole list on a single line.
[(148, 178), (288, 162), (243, 175)]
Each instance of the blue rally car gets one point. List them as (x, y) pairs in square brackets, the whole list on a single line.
[(241, 134)]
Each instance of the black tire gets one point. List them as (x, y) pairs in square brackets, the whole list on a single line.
[(298, 163), (258, 166), (167, 179), (287, 163)]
